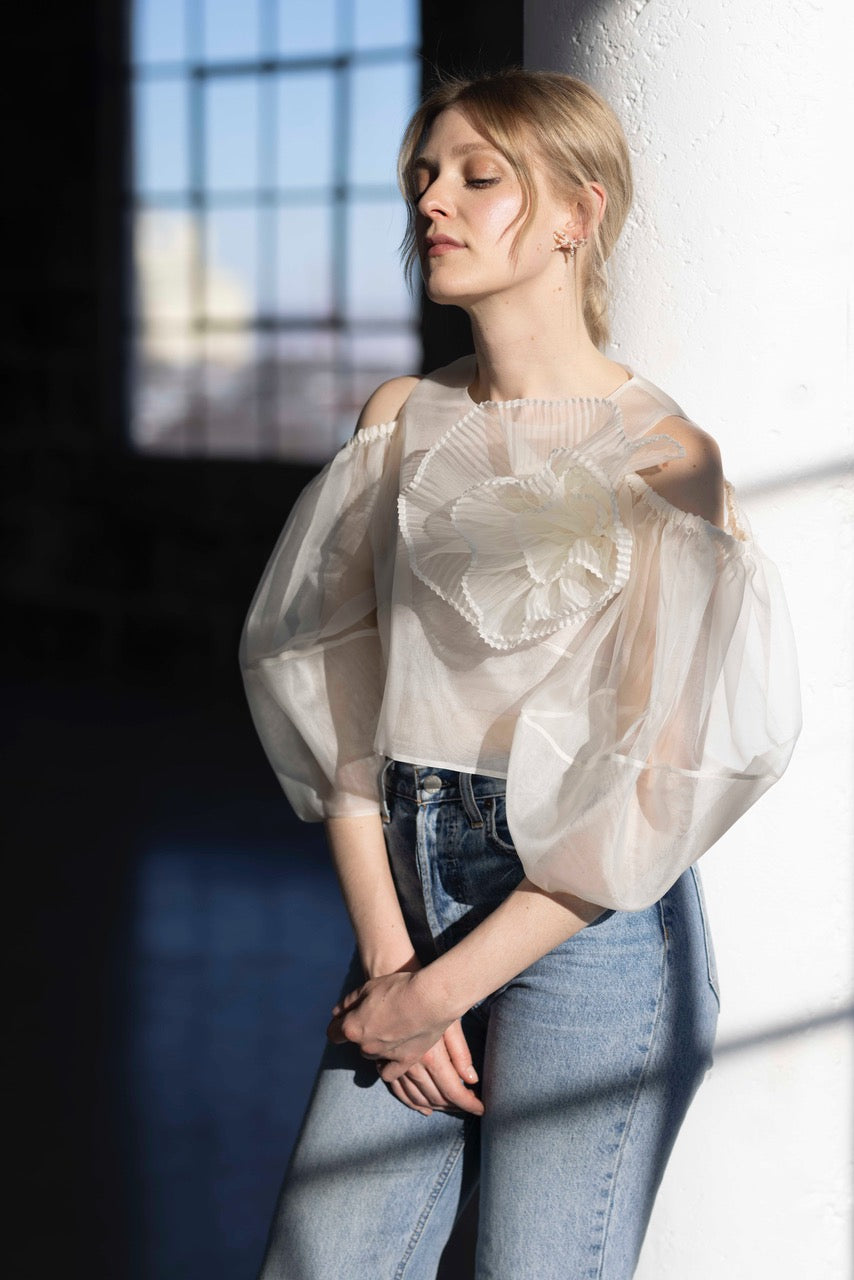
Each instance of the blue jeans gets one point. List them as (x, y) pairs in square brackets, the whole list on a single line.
[(588, 1062)]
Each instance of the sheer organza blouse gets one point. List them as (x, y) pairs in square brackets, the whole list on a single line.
[(493, 588)]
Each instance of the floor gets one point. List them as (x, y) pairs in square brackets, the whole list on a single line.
[(180, 941)]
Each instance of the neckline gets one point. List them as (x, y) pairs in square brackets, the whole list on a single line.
[(481, 404)]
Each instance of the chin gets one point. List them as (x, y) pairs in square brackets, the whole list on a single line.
[(447, 294), (444, 298)]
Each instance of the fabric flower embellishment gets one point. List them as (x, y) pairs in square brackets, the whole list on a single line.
[(520, 534), (545, 548)]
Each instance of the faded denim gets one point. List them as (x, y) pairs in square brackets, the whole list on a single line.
[(588, 1062)]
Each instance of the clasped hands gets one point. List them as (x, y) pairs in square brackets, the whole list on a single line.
[(420, 1051)]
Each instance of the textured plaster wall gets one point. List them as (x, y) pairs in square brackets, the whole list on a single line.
[(733, 289)]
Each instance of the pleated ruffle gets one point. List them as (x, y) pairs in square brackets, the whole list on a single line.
[(512, 516)]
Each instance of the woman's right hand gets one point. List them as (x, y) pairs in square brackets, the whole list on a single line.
[(436, 1081)]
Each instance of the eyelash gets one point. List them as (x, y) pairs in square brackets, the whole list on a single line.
[(478, 184)]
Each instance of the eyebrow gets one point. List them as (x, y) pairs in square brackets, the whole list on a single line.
[(462, 149)]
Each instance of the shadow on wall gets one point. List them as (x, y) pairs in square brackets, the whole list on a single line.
[(837, 470), (574, 56)]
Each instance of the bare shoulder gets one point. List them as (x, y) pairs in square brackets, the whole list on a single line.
[(387, 401), (695, 481)]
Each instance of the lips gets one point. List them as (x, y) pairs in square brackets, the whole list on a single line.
[(438, 245)]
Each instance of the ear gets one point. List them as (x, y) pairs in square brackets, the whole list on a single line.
[(599, 203), (586, 210)]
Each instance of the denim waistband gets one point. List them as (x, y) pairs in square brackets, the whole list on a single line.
[(429, 784)]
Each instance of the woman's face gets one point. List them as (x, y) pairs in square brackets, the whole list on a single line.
[(468, 198)]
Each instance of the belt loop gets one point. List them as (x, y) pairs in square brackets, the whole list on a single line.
[(469, 801), (386, 815)]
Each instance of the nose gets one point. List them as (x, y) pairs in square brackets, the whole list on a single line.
[(435, 200)]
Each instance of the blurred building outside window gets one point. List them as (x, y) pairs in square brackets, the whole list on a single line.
[(268, 296)]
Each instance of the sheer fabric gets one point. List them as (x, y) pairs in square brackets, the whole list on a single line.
[(311, 654), (494, 588)]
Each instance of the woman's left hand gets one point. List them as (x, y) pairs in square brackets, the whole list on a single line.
[(392, 1019), (442, 1080)]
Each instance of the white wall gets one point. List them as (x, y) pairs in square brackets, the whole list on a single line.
[(733, 291)]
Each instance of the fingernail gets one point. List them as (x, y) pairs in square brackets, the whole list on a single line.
[(471, 1074)]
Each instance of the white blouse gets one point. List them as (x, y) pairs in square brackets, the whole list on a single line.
[(492, 588)]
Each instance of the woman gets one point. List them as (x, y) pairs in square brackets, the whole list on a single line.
[(517, 652)]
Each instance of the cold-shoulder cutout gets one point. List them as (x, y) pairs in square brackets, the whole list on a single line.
[(387, 401), (693, 482), (531, 591)]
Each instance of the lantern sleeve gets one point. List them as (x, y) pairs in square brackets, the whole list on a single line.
[(664, 721), (310, 650)]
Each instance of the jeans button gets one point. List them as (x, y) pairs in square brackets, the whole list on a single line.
[(431, 783)]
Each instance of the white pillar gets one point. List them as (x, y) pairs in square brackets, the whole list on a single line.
[(733, 289)]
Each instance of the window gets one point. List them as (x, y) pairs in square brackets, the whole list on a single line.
[(269, 299)]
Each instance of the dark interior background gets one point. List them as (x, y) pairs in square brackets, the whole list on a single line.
[(176, 940)]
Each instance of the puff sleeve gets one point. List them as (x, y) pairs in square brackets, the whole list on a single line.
[(673, 711), (310, 651)]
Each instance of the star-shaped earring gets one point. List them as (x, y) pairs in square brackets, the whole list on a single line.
[(564, 242)]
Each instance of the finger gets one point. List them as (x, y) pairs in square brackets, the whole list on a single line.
[(404, 1090), (417, 1086), (458, 1095), (444, 1076), (352, 998), (393, 1070), (343, 1029), (334, 1034), (415, 1094), (459, 1053), (398, 1092), (396, 1089), (420, 1077)]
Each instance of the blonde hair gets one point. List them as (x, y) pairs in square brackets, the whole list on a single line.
[(569, 128)]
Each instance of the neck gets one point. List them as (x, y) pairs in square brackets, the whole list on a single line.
[(536, 351)]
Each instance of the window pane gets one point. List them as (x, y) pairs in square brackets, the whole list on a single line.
[(383, 98), (158, 30), (306, 122), (231, 264), (368, 360), (267, 250), (163, 385), (375, 357), (231, 29), (308, 375), (307, 28), (305, 261), (231, 393), (160, 135), (165, 244), (382, 23), (256, 256), (375, 284), (232, 134)]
